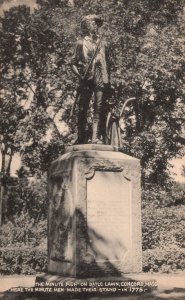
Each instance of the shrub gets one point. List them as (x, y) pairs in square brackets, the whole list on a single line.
[(23, 246), (163, 226), (22, 260), (160, 197), (164, 259), (23, 231), (24, 236), (26, 197), (163, 238)]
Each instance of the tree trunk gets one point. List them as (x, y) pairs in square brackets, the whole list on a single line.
[(4, 172), (1, 185), (3, 162), (9, 164)]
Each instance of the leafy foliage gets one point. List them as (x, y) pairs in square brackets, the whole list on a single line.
[(26, 198), (23, 260), (38, 90), (148, 61), (23, 243), (163, 237), (167, 259), (159, 197), (24, 233), (159, 228)]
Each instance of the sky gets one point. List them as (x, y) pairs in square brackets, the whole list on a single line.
[(177, 169), (7, 4)]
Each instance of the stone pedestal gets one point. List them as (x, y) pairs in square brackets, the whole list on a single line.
[(94, 226)]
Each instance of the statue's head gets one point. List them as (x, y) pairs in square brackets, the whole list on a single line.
[(91, 23)]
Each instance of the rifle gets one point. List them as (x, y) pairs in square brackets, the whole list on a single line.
[(80, 87)]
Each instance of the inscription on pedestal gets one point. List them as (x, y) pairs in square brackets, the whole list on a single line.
[(109, 216), (94, 220)]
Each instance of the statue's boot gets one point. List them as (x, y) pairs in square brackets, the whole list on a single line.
[(82, 122), (96, 135), (81, 134)]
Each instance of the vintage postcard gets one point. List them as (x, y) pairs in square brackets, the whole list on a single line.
[(92, 137)]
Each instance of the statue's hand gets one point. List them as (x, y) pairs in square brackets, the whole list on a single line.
[(82, 82)]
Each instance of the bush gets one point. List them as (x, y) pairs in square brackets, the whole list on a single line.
[(163, 238), (174, 195), (163, 226), (26, 197), (23, 246), (22, 260), (24, 232), (164, 259), (23, 239)]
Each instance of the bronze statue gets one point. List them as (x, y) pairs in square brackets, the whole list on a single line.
[(116, 123), (90, 64)]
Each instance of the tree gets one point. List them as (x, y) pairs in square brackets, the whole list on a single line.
[(147, 43), (183, 170), (148, 60), (27, 69)]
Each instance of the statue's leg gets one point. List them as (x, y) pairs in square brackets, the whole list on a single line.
[(103, 118), (98, 106), (82, 114)]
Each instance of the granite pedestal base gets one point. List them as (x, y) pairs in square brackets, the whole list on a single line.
[(94, 224)]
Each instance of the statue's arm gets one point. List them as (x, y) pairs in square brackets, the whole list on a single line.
[(77, 58), (109, 57)]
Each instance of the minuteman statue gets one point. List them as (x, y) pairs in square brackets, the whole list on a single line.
[(90, 63)]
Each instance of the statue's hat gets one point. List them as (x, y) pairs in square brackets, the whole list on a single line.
[(97, 18)]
